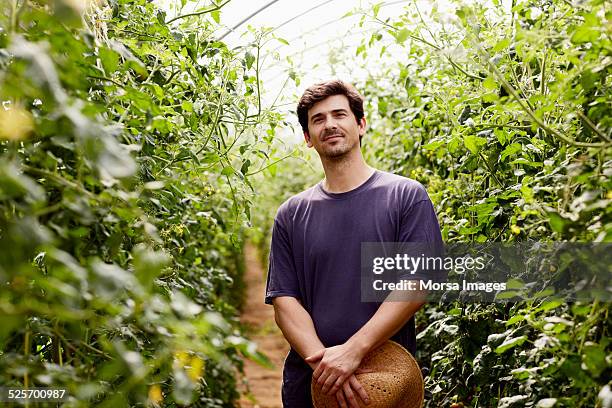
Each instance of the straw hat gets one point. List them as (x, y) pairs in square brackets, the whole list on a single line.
[(395, 381)]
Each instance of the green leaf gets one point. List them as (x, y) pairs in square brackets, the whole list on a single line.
[(581, 309), (557, 223), (510, 344), (376, 9), (515, 319), (510, 150), (508, 294), (474, 143), (109, 59), (551, 304), (454, 312), (513, 401), (161, 17), (460, 12), (571, 367), (490, 83), (490, 97), (433, 145), (249, 59), (183, 390), (216, 15), (184, 306), (187, 106), (546, 403), (588, 31), (149, 264), (522, 160), (496, 339), (245, 166), (501, 45), (521, 373), (594, 357), (402, 35)]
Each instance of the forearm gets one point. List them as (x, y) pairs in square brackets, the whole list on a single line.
[(297, 326), (388, 319)]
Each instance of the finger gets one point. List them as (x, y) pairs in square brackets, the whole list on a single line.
[(329, 382), (363, 371), (356, 385), (318, 371), (316, 356), (323, 377), (337, 385), (350, 395), (340, 398)]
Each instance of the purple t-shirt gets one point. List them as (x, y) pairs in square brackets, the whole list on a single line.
[(315, 256)]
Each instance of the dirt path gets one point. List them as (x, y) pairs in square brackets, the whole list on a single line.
[(261, 386)]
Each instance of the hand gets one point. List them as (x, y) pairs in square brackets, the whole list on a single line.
[(351, 387), (336, 365)]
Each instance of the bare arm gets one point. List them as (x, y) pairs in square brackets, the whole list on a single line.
[(297, 326), (338, 363), (388, 319)]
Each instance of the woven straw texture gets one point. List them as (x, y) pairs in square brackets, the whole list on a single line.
[(396, 380)]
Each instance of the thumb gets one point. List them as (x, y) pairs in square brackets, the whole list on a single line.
[(316, 356), (364, 371)]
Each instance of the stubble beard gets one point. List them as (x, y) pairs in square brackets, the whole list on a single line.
[(338, 151)]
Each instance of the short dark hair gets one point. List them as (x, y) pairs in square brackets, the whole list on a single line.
[(318, 92)]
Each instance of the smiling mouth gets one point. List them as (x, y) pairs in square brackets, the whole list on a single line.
[(332, 137)]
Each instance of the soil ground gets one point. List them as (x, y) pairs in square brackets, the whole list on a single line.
[(261, 387)]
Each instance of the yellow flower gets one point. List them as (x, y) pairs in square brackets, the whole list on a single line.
[(195, 371), (15, 123), (515, 229), (182, 357), (609, 195), (155, 394)]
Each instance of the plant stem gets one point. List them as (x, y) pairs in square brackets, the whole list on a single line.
[(510, 89), (13, 15), (542, 76), (198, 13), (490, 169), (58, 179), (258, 89), (593, 126), (435, 47), (106, 79), (269, 165)]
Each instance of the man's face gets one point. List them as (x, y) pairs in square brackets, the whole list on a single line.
[(332, 127)]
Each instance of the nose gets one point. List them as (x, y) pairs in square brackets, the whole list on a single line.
[(330, 123)]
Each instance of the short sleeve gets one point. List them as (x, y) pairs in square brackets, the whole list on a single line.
[(419, 224), (282, 278)]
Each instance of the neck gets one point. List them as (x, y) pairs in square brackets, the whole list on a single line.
[(345, 173)]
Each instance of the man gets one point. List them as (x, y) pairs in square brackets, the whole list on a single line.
[(314, 274)]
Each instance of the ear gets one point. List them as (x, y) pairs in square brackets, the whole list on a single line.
[(307, 139), (362, 126)]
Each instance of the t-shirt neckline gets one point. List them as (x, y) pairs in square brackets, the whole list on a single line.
[(349, 193)]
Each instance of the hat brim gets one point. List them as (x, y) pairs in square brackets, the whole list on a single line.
[(394, 380)]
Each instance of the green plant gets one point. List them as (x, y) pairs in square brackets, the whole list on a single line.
[(504, 115), (125, 149)]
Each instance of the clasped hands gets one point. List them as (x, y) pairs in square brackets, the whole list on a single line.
[(335, 369)]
